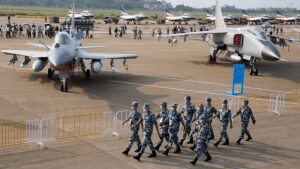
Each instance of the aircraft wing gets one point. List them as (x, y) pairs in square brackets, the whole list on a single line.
[(34, 54), (89, 47), (197, 33), (39, 45), (86, 55)]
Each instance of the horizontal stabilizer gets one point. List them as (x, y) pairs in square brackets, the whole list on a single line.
[(89, 47)]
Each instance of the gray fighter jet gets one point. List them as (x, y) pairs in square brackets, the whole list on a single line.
[(238, 44), (66, 54)]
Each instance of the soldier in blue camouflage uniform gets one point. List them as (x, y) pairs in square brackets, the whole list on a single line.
[(209, 110), (174, 119), (198, 114), (134, 119), (246, 113), (188, 111), (224, 115), (202, 138), (148, 120), (163, 115)]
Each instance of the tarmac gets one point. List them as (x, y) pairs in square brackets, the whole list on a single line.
[(161, 73)]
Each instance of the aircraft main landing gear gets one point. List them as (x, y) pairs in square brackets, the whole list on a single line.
[(88, 74), (64, 86), (253, 69), (50, 73), (213, 56)]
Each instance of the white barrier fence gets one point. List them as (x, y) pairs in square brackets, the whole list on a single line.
[(39, 131), (276, 103)]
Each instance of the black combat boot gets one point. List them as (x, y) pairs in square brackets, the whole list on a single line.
[(178, 150), (181, 142), (191, 141), (193, 147), (153, 154), (194, 161), (138, 149), (126, 151), (239, 141), (157, 147), (166, 152), (249, 138), (217, 143), (208, 157), (226, 143), (137, 157)]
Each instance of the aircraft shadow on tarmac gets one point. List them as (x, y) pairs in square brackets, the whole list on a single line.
[(106, 86), (282, 70), (256, 152)]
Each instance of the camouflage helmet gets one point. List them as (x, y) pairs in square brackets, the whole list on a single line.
[(164, 104), (208, 99), (187, 97), (174, 105), (134, 104), (201, 106), (146, 105)]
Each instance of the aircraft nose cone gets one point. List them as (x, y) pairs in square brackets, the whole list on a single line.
[(59, 57), (271, 53)]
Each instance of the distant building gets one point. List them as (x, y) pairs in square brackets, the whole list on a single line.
[(157, 5)]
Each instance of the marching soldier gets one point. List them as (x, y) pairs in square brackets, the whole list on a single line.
[(148, 120), (163, 115), (199, 113), (174, 119), (134, 118), (246, 113), (209, 110), (202, 138), (224, 115), (188, 111)]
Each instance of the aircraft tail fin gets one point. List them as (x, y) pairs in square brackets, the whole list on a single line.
[(123, 12), (72, 29), (219, 16), (208, 13), (279, 13)]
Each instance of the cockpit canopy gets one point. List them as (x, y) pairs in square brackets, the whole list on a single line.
[(62, 38), (258, 32)]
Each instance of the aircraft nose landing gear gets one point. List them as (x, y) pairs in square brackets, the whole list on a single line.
[(64, 87), (253, 69)]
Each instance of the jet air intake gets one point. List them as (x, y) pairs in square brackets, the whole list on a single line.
[(39, 65), (235, 40), (96, 66)]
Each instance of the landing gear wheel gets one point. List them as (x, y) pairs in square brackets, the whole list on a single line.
[(253, 70), (256, 72), (50, 73), (64, 88), (210, 58), (88, 74)]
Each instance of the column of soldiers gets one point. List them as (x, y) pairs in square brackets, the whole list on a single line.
[(169, 124)]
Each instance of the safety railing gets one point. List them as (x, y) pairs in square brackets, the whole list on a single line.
[(39, 131)]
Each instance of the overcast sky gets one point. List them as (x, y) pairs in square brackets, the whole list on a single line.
[(240, 3)]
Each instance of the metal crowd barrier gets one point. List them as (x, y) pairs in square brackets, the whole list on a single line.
[(39, 131)]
